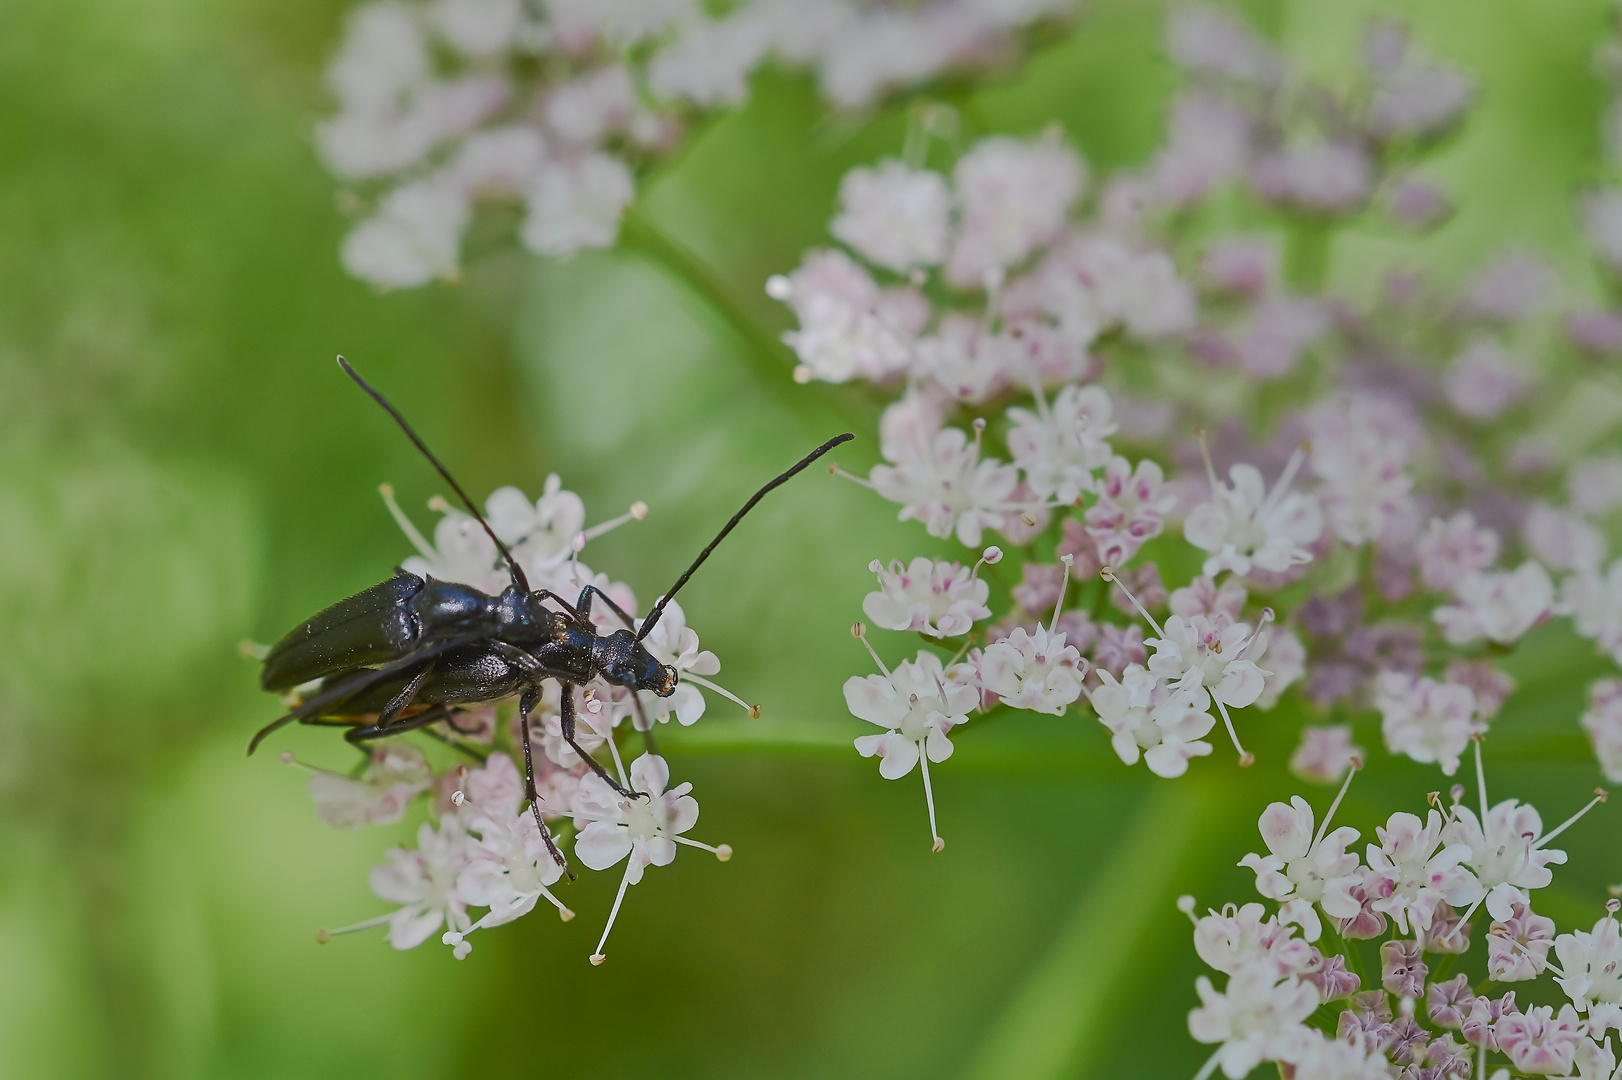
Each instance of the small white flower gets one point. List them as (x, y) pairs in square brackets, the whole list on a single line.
[(1238, 937), (1203, 596), (423, 882), (1499, 606), (1245, 525), (1595, 484), (575, 203), (1258, 1017), (941, 599), (1508, 852), (415, 237), (943, 483), (614, 828), (1144, 717), (1592, 962), (1035, 671), (396, 774), (1451, 550), (1205, 658), (1414, 870), (1013, 197), (509, 869), (919, 704), (1594, 602), (1361, 447), (1058, 447), (1299, 865), (895, 217), (1427, 720), (849, 327)]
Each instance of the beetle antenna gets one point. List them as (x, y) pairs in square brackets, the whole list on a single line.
[(512, 564), (659, 609)]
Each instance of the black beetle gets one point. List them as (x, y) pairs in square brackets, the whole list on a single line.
[(405, 653)]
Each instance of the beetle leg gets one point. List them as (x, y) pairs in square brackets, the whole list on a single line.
[(566, 711), (532, 694), (359, 733), (396, 706), (583, 609)]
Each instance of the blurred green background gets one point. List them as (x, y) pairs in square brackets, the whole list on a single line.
[(182, 466)]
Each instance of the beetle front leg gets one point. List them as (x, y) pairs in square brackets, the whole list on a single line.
[(566, 711), (583, 608), (526, 703)]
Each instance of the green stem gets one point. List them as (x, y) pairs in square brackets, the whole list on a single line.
[(1306, 254)]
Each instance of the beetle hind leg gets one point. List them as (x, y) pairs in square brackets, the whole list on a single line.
[(525, 704)]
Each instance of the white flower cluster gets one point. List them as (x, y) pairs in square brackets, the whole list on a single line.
[(1426, 878), (1032, 334), (484, 848), (552, 105)]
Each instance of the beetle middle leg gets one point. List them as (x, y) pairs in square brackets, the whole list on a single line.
[(526, 703), (567, 715)]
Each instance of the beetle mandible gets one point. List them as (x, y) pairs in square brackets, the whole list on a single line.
[(408, 652)]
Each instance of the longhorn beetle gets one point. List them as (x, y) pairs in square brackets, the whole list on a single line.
[(406, 653)]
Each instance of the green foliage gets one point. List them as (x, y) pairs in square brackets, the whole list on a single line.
[(180, 467)]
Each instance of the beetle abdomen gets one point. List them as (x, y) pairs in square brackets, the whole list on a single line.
[(372, 627)]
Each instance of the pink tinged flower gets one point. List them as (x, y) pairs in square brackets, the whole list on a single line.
[(396, 773), (1300, 864), (1447, 933), (710, 62), (424, 883), (1361, 446), (1417, 98), (1238, 937), (1448, 1003), (1060, 446), (1332, 979), (1147, 720), (1603, 722), (895, 217), (1207, 145), (1033, 670), (1415, 203), (1258, 1017), (1561, 539), (1039, 587), (1206, 658), (941, 599), (1319, 1058), (1402, 968), (1202, 596), (1322, 176), (1205, 40), (1424, 719), (1243, 265), (1509, 851), (1592, 966), (1595, 484), (1325, 753), (1013, 197), (1130, 510), (1518, 945), (944, 484), (494, 790), (1093, 281), (1499, 606), (848, 328), (509, 869), (1596, 332), (1512, 286), (1453, 549), (1540, 1042), (1244, 525), (1594, 601), (1270, 342), (1483, 381), (1416, 871), (1489, 685), (1118, 648), (1483, 1013)]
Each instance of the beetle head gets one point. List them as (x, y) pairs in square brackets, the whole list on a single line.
[(624, 661)]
